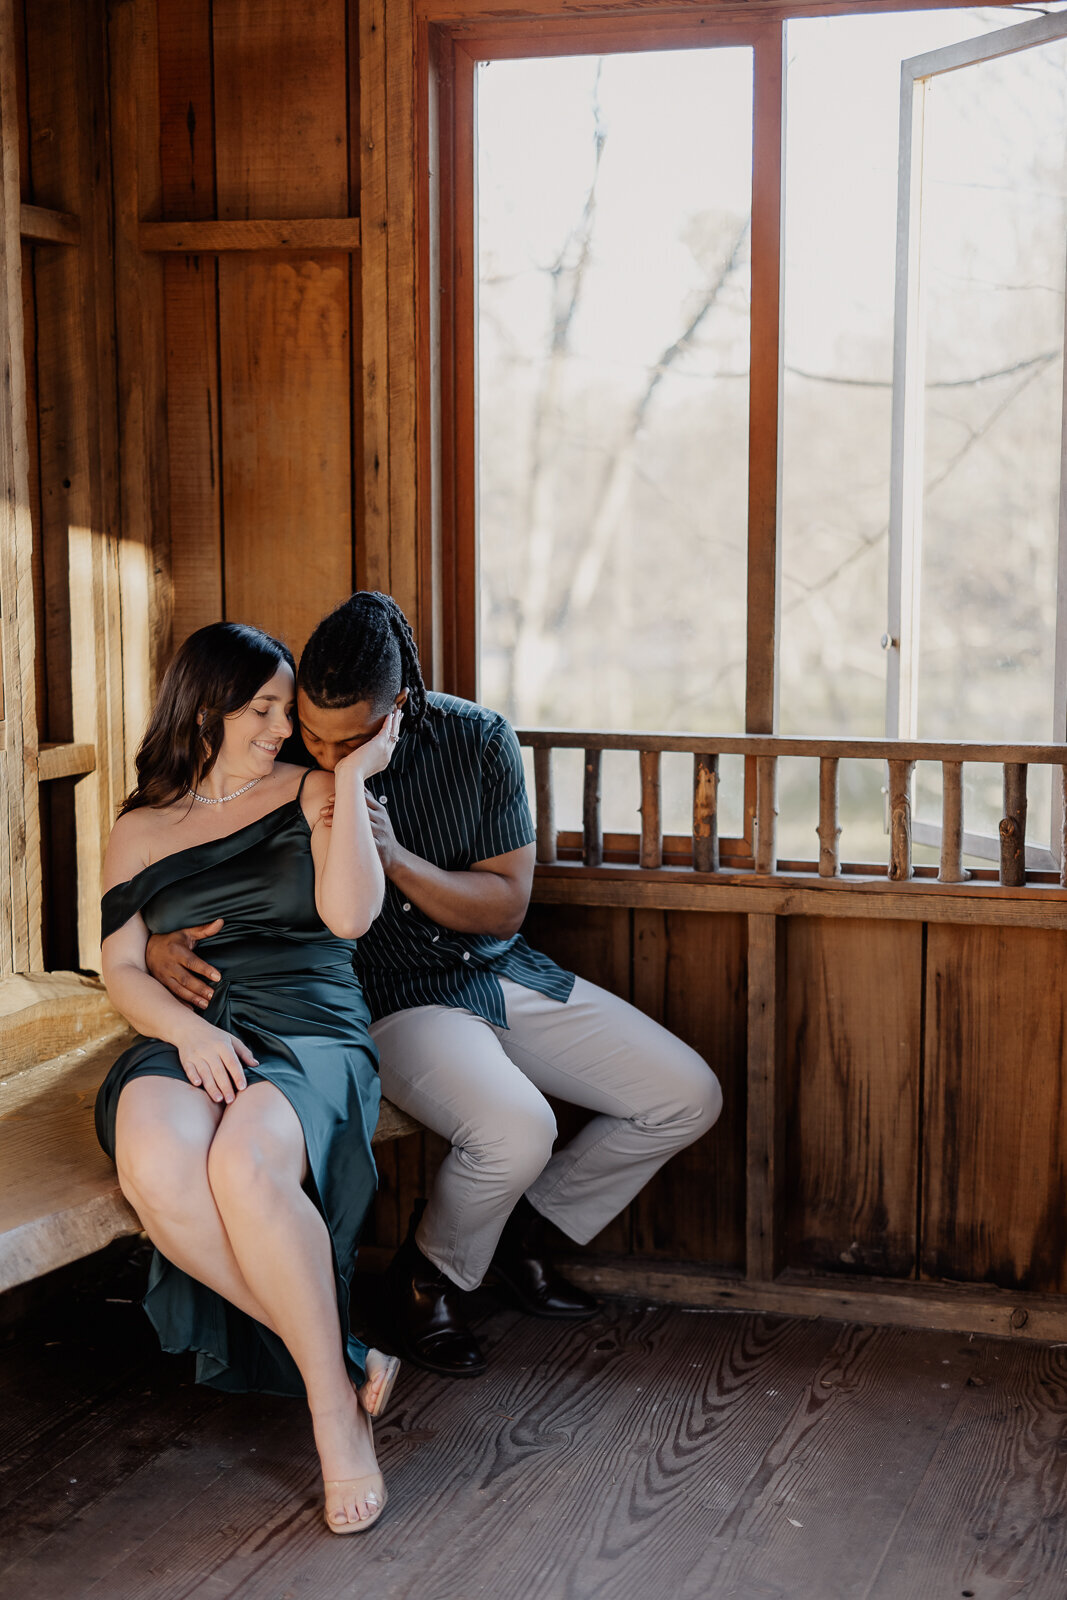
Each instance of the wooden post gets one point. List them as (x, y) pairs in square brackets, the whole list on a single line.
[(1063, 827), (592, 840), (546, 806), (900, 819), (1013, 826), (651, 827), (705, 813), (766, 813), (952, 869), (20, 852), (829, 829), (766, 1093)]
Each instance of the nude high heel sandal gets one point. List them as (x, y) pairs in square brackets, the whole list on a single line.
[(385, 1383), (364, 1524)]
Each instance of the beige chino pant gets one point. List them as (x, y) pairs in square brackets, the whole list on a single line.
[(483, 1088)]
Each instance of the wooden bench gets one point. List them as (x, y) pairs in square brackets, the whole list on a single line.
[(59, 1196)]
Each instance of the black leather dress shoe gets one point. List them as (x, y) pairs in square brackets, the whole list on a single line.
[(423, 1310), (519, 1265)]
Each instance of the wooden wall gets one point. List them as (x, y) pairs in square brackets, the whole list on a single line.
[(258, 120), (926, 1128)]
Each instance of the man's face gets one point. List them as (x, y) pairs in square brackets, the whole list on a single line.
[(329, 735)]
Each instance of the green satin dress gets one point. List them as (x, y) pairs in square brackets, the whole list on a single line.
[(289, 992)]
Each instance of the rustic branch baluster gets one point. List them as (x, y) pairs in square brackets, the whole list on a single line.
[(592, 839), (546, 807), (651, 827), (1013, 826), (705, 813), (766, 813), (900, 819), (829, 829), (952, 869)]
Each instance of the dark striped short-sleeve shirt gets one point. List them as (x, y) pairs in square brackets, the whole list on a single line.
[(455, 802)]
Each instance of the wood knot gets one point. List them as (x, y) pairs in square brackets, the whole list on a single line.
[(1020, 1317)]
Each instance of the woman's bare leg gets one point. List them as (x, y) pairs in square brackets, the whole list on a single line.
[(163, 1132), (256, 1166)]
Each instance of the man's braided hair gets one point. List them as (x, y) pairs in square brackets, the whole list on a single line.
[(365, 650)]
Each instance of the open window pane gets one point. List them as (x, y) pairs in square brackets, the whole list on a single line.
[(613, 390)]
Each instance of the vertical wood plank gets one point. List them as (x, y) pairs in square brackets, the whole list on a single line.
[(829, 829), (546, 807), (1063, 814), (284, 325), (766, 1099), (766, 813), (853, 1009), (995, 1122), (144, 554), (401, 185), (951, 868), (374, 558), (187, 161), (765, 393), (689, 975), (592, 836), (651, 825), (705, 813), (1013, 827), (900, 819), (21, 890)]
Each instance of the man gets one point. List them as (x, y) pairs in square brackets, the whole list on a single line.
[(473, 1027)]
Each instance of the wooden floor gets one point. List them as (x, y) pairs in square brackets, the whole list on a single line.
[(652, 1453)]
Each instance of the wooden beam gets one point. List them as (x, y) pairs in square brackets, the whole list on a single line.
[(545, 807), (743, 744), (302, 236), (651, 822), (765, 388), (918, 900), (144, 566), (961, 1309), (1013, 826), (43, 226), (592, 835), (765, 1097), (705, 813), (373, 561), (65, 761), (952, 869), (829, 829), (900, 819), (20, 857)]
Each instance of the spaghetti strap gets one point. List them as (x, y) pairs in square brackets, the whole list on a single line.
[(304, 780)]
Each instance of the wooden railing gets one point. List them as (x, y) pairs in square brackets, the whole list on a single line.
[(764, 752)]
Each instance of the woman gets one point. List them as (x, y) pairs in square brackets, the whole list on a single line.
[(242, 1134)]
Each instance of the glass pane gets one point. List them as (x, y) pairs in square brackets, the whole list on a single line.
[(994, 235), (613, 395)]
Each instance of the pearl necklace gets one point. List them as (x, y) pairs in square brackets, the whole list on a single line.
[(220, 800)]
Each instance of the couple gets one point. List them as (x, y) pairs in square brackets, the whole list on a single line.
[(241, 1121)]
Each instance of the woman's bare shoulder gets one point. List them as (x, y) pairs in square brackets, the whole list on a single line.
[(129, 848)]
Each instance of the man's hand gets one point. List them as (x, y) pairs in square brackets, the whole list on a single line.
[(172, 960), (382, 829)]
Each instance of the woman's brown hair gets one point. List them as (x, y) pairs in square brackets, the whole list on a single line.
[(216, 672)]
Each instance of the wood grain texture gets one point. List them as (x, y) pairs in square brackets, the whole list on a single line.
[(303, 235), (689, 975), (995, 1129), (20, 892), (47, 226), (286, 447), (284, 325), (648, 1454), (281, 109), (765, 1082), (65, 761), (187, 165), (853, 1035), (373, 559)]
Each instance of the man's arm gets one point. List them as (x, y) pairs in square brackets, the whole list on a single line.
[(491, 897)]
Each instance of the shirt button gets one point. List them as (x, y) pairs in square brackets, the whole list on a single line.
[(383, 799), (466, 955), (406, 905)]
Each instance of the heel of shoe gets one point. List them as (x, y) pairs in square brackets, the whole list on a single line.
[(385, 1391)]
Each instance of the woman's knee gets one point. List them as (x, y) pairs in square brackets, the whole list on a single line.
[(249, 1166), (162, 1172)]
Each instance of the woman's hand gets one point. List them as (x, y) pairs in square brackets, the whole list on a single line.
[(214, 1061), (375, 755)]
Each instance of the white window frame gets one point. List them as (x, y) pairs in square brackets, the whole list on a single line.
[(906, 479)]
